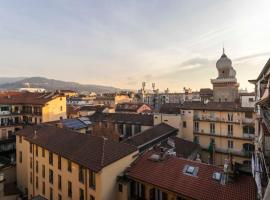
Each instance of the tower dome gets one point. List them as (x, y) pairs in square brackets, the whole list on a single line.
[(224, 62)]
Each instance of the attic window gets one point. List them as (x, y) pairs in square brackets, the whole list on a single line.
[(191, 170), (217, 176)]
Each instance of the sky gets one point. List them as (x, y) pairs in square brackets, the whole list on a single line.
[(173, 43)]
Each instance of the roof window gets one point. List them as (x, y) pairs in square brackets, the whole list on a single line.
[(191, 170), (217, 176)]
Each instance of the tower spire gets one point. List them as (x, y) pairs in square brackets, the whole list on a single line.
[(223, 50)]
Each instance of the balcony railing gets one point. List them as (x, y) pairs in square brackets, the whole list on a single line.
[(215, 119)]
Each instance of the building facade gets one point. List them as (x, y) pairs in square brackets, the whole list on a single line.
[(50, 164)]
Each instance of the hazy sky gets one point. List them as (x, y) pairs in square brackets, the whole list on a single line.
[(174, 43)]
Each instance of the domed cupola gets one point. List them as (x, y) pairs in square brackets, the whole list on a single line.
[(224, 62), (224, 67)]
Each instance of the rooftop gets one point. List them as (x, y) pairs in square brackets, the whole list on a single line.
[(129, 107), (214, 106), (11, 98), (142, 119), (170, 108), (92, 152), (152, 135), (168, 174)]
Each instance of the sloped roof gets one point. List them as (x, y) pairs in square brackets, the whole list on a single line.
[(151, 134), (168, 174), (129, 107), (170, 108), (92, 152), (142, 119), (214, 106), (13, 98)]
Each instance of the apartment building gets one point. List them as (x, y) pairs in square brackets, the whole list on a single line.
[(18, 109), (57, 163), (157, 176), (261, 157), (224, 129)]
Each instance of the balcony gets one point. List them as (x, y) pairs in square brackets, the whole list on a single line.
[(248, 135), (5, 112), (215, 119), (235, 152), (247, 121)]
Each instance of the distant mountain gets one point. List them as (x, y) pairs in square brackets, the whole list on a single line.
[(52, 85), (4, 80)]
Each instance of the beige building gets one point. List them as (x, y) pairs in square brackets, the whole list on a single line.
[(18, 109), (224, 129), (57, 163)]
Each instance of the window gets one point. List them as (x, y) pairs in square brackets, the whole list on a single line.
[(31, 177), (20, 157), (61, 108), (50, 176), (59, 162), (36, 166), (248, 130), (196, 126), (250, 99), (43, 171), (230, 117), (81, 174), (137, 189), (92, 197), (43, 188), (31, 163), (20, 139), (81, 194), (190, 170), (69, 166), (248, 115), (184, 124), (120, 187), (51, 158), (30, 148), (37, 182), (230, 144), (196, 140), (59, 182), (43, 152), (36, 151), (59, 197), (212, 128), (51, 194), (92, 180), (69, 189), (230, 130), (137, 128)]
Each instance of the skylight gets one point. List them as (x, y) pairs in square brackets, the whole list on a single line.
[(190, 169), (217, 176)]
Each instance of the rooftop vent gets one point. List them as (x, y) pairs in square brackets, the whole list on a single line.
[(154, 157)]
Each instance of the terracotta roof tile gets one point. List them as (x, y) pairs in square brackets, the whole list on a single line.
[(143, 119), (151, 134), (168, 174), (92, 152)]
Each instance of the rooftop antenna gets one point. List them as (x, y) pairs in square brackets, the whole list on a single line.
[(153, 86)]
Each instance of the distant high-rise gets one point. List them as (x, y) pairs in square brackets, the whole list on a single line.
[(225, 86)]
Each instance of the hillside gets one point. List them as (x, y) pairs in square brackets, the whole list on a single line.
[(52, 85)]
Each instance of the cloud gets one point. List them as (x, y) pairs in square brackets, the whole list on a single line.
[(253, 56), (195, 63)]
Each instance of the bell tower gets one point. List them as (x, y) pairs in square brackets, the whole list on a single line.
[(225, 86)]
